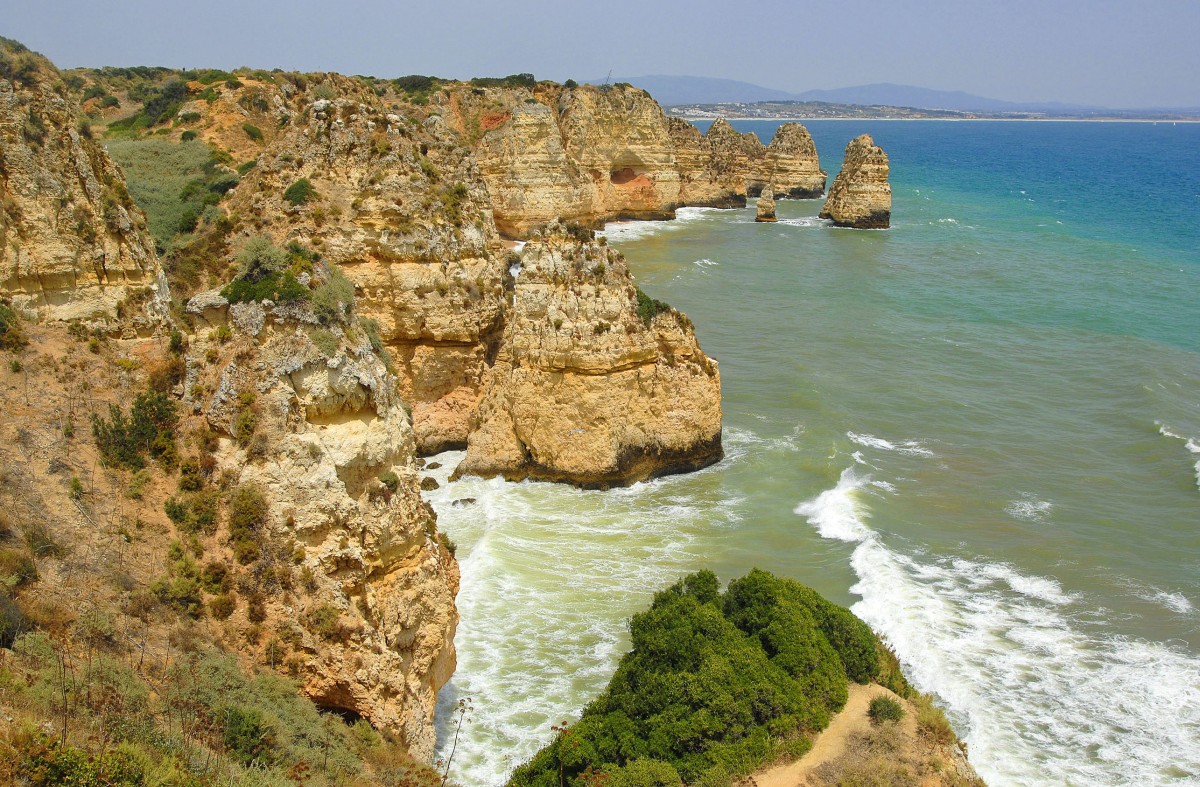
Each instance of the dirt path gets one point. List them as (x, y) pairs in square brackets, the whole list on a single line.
[(830, 744)]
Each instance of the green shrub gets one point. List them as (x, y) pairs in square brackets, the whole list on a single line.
[(648, 308), (189, 117), (714, 685), (884, 708), (324, 622), (262, 276), (109, 101), (222, 606), (11, 335), (187, 136), (147, 431), (253, 131), (181, 593), (247, 736), (333, 301), (300, 192), (452, 202), (570, 84), (247, 516)]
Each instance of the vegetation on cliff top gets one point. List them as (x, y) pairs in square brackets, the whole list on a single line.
[(715, 685)]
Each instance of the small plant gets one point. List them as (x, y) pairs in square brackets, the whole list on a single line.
[(222, 606), (15, 365), (648, 308), (76, 488), (300, 192), (247, 516), (253, 131), (187, 136), (884, 708), (324, 622)]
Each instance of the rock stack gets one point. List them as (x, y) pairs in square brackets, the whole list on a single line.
[(861, 196), (766, 205)]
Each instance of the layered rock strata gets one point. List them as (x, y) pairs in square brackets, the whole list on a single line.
[(765, 209), (333, 453), (861, 196), (399, 205), (594, 383), (72, 243), (591, 155)]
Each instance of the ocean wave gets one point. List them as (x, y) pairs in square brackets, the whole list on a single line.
[(534, 636), (1190, 443), (1040, 697), (805, 221), (1173, 601), (910, 447)]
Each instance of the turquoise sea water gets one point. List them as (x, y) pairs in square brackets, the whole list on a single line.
[(980, 429)]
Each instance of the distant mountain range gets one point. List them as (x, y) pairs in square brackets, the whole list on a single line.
[(679, 90)]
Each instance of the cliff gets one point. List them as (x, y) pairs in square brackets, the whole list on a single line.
[(764, 210), (399, 205), (308, 415), (594, 383), (591, 155), (72, 243), (861, 196)]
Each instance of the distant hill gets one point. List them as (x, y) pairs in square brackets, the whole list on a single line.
[(677, 90)]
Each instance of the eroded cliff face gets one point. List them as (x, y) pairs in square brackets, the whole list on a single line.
[(399, 205), (587, 390), (332, 450), (592, 155), (861, 196), (72, 243)]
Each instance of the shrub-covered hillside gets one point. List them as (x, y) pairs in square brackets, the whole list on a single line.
[(715, 685)]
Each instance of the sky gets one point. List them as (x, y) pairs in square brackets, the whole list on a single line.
[(1120, 54)]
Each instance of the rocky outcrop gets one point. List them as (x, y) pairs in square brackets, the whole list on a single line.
[(333, 452), (399, 205), (72, 243), (594, 383), (765, 209), (791, 165), (861, 196), (591, 155)]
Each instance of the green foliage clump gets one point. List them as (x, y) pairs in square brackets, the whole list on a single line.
[(148, 430), (300, 192), (248, 737), (252, 131), (247, 517), (159, 105), (333, 301), (883, 709), (12, 337), (453, 199), (714, 686), (172, 183), (263, 275), (648, 308), (512, 80)]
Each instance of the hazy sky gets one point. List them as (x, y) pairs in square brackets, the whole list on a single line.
[(1119, 53)]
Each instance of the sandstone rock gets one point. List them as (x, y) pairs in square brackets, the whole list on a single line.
[(861, 196), (72, 243), (765, 210), (791, 164), (584, 389), (328, 427)]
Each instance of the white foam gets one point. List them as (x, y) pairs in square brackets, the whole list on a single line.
[(1029, 508), (549, 575), (910, 447), (1040, 695), (805, 221), (1189, 443), (1174, 601), (705, 263), (635, 230)]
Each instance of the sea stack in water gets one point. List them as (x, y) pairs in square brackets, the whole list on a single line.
[(594, 383), (861, 196), (766, 205)]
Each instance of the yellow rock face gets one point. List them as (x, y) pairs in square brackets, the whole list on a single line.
[(329, 427), (589, 155), (861, 196), (584, 389), (72, 243)]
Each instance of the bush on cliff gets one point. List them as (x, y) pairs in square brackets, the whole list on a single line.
[(148, 430), (714, 685), (263, 275)]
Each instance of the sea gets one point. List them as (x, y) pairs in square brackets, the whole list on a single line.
[(978, 429)]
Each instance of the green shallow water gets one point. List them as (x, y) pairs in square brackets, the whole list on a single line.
[(980, 428)]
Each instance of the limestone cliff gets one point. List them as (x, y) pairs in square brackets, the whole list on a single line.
[(594, 383), (591, 155), (861, 196), (72, 243), (399, 205), (309, 416)]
